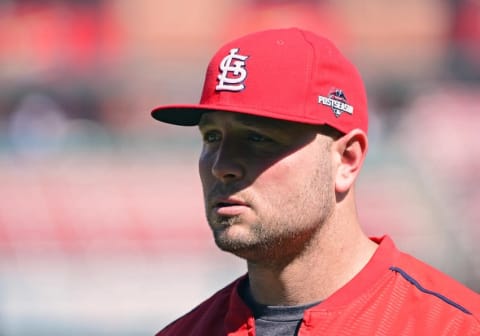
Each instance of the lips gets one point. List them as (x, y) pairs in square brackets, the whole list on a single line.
[(224, 204), (229, 206), (227, 202)]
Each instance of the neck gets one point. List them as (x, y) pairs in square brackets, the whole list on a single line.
[(328, 263)]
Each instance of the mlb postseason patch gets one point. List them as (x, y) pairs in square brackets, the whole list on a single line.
[(337, 101)]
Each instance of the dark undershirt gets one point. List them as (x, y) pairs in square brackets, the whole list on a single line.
[(273, 320)]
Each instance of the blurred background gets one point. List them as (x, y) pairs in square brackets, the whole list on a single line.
[(102, 228)]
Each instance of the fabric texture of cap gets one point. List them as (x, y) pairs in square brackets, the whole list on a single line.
[(287, 74)]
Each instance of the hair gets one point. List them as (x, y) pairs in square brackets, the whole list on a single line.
[(330, 131)]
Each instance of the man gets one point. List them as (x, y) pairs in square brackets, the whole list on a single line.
[(283, 117)]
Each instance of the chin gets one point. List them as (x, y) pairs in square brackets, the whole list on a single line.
[(228, 241), (242, 248)]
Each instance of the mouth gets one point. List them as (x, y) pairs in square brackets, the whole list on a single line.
[(228, 201), (229, 207)]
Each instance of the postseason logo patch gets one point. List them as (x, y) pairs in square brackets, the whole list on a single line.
[(337, 101)]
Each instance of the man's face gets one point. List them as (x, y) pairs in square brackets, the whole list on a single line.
[(268, 184)]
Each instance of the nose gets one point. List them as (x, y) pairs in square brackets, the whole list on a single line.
[(227, 166)]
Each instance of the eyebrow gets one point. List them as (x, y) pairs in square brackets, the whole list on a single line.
[(205, 120)]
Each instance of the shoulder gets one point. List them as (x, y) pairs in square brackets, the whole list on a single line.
[(206, 316), (436, 289)]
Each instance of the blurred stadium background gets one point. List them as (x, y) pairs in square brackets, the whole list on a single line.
[(101, 219)]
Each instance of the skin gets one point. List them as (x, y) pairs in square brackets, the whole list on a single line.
[(281, 196)]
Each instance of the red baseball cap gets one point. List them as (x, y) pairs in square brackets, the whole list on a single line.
[(287, 74)]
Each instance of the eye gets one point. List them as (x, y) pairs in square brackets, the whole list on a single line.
[(211, 136), (256, 137)]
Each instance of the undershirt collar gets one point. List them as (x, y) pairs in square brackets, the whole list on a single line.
[(273, 320)]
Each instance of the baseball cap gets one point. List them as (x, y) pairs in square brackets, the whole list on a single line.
[(288, 74)]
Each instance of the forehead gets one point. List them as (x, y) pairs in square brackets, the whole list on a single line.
[(219, 117)]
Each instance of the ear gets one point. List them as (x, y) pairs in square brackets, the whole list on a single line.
[(350, 150)]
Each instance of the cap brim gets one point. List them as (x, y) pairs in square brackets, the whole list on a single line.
[(184, 115), (189, 115)]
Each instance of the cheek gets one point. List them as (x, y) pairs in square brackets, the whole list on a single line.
[(291, 169), (304, 179), (204, 167), (282, 179)]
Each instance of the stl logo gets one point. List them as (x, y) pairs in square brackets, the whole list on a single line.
[(233, 72)]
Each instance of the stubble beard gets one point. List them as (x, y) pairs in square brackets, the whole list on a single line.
[(282, 236), (273, 244)]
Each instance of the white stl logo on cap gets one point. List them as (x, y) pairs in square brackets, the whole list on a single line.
[(234, 64)]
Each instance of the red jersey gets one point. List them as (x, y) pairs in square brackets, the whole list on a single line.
[(394, 294)]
